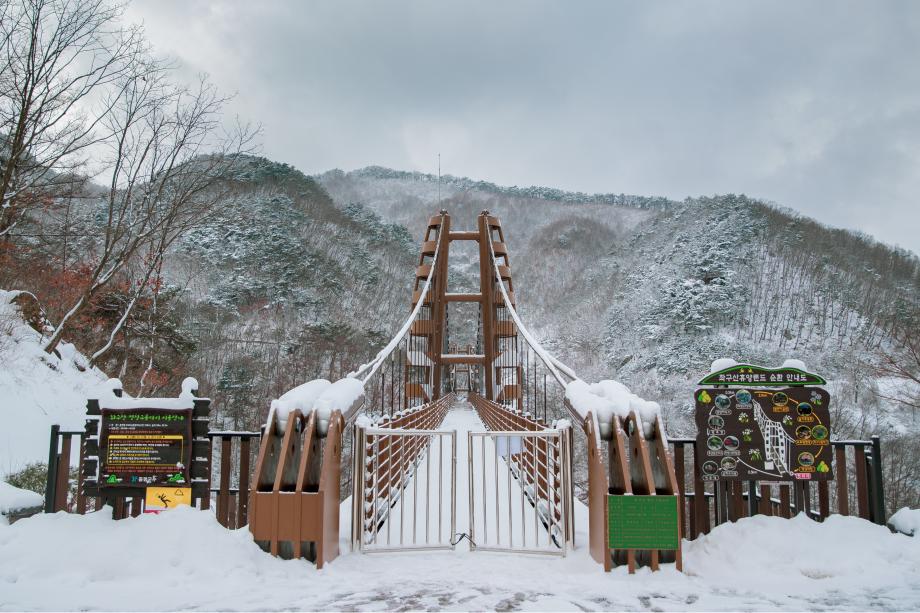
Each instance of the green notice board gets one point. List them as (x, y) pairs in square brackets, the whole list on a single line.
[(642, 522)]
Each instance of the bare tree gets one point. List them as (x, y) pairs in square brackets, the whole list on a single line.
[(168, 158), (901, 360), (56, 56)]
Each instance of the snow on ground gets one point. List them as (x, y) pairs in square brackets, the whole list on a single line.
[(183, 559), (37, 389), (15, 499), (906, 520)]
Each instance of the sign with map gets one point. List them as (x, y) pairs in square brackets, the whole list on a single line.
[(642, 522), (143, 447), (763, 434), (748, 374)]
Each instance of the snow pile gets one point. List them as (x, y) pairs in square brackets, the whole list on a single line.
[(907, 521), (793, 363), (801, 558), (723, 363), (318, 394), (145, 556), (760, 563), (608, 399), (15, 499), (38, 389), (300, 398)]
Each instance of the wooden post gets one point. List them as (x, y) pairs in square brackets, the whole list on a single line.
[(439, 304), (765, 507), (840, 467), (700, 503), (679, 473), (862, 487), (62, 487), (51, 481), (878, 489), (243, 502), (81, 499), (486, 287), (223, 495)]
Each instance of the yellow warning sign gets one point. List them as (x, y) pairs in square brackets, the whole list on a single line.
[(164, 498)]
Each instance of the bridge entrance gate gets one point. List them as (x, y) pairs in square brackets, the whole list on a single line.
[(517, 485)]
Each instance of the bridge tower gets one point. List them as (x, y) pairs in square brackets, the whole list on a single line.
[(429, 334)]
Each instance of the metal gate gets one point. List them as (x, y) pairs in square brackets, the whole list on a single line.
[(520, 491), (404, 491)]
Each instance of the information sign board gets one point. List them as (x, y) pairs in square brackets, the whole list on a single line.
[(763, 434), (642, 522), (143, 447)]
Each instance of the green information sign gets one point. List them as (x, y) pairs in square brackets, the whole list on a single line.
[(642, 522), (749, 374)]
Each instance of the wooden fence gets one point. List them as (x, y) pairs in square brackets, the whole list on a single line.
[(230, 453), (857, 489)]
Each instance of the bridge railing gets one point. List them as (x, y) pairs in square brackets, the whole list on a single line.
[(543, 468), (857, 489), (386, 456)]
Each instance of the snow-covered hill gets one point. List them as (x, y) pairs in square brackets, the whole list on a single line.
[(650, 292), (36, 389)]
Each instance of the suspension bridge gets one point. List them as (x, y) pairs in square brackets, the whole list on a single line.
[(451, 445)]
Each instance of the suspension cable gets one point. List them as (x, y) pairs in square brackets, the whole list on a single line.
[(554, 365)]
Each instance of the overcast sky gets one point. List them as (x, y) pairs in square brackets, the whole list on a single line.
[(814, 106)]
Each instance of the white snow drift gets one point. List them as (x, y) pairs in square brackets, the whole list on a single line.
[(184, 560)]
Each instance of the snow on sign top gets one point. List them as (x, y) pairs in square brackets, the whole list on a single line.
[(792, 372), (109, 400)]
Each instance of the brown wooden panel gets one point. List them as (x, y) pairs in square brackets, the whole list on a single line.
[(736, 500), (823, 499), (784, 510), (840, 466), (700, 504), (862, 485), (62, 487), (764, 507), (223, 494), (243, 513), (681, 476)]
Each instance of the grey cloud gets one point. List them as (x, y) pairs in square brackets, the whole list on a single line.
[(812, 105)]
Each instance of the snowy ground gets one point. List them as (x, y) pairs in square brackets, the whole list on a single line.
[(185, 560), (37, 390)]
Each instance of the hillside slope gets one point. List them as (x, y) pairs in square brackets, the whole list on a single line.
[(37, 389)]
